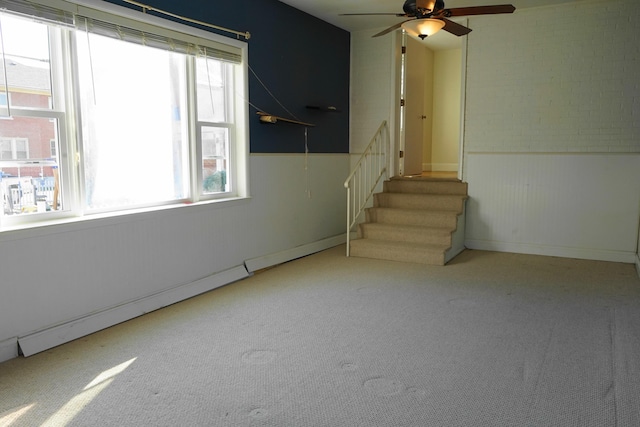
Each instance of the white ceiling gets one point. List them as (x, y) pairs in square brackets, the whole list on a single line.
[(330, 10)]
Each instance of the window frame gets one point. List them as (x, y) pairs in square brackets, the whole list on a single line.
[(65, 89)]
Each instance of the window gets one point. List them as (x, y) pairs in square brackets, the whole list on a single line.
[(142, 159), (110, 113), (215, 123), (14, 148)]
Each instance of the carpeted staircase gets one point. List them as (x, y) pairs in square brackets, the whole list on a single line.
[(417, 220)]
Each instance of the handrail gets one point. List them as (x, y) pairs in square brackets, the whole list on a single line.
[(366, 174)]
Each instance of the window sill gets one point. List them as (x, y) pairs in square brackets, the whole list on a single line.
[(69, 224)]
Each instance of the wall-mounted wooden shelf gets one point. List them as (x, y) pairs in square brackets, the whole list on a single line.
[(328, 109), (270, 118)]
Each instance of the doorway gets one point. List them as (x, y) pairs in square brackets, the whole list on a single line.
[(431, 115)]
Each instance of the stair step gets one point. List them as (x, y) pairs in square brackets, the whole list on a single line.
[(415, 217), (405, 233), (418, 220), (426, 185), (399, 251), (445, 202)]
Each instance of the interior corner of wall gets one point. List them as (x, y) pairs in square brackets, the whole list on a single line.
[(254, 264), (9, 349)]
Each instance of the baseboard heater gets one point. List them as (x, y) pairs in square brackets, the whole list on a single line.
[(270, 260), (51, 337), (69, 331)]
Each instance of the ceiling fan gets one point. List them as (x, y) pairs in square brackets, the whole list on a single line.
[(430, 16)]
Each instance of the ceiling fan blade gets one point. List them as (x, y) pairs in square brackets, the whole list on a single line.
[(455, 28), (371, 14), (480, 10), (390, 29)]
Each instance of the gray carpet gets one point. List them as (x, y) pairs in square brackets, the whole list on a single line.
[(492, 339)]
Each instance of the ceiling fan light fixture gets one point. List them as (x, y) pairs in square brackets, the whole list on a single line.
[(422, 28)]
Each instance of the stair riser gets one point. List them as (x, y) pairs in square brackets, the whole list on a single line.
[(359, 248), (419, 201), (426, 187), (408, 217), (428, 236)]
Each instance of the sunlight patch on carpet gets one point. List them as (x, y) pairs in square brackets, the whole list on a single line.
[(11, 416), (73, 407)]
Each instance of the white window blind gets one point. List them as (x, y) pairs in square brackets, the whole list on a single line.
[(153, 36), (49, 12), (112, 25)]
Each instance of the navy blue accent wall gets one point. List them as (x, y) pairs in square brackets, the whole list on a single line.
[(301, 60)]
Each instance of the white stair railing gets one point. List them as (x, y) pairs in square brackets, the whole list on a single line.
[(365, 176)]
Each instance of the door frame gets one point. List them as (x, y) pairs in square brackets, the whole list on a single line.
[(401, 105), (463, 102)]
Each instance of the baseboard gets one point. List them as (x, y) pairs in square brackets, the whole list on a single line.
[(563, 252), (69, 331), (270, 260), (8, 349)]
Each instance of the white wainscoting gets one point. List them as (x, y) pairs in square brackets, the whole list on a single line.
[(569, 205)]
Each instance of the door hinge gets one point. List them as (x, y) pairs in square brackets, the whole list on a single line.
[(404, 49), (402, 102), (401, 154)]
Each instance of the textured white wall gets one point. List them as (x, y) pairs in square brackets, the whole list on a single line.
[(555, 79), (558, 86), (56, 274), (372, 82)]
